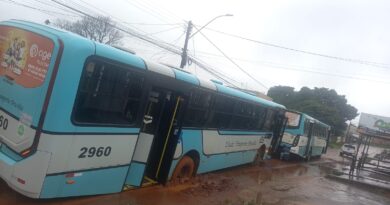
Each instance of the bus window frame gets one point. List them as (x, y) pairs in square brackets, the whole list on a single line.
[(142, 100), (300, 120), (206, 110), (211, 111)]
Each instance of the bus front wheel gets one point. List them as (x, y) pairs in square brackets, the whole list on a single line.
[(184, 169)]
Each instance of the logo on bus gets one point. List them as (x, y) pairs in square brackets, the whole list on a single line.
[(21, 130), (35, 51)]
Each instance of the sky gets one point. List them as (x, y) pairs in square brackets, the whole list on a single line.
[(340, 45)]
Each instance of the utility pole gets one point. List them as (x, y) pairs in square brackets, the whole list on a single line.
[(184, 55), (347, 137)]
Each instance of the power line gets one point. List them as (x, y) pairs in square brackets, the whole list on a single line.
[(212, 71), (351, 60), (291, 67), (207, 69), (54, 6), (193, 46), (38, 9), (162, 31), (142, 8), (82, 7), (151, 24), (160, 11), (231, 60), (286, 67), (130, 32), (165, 45), (109, 15), (173, 42), (94, 7), (328, 74), (215, 72), (120, 21), (204, 64)]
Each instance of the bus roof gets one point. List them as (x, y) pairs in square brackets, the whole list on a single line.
[(131, 59), (209, 84)]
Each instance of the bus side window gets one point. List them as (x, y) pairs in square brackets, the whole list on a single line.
[(108, 94), (306, 128), (222, 112), (244, 116), (269, 121), (198, 108), (260, 116)]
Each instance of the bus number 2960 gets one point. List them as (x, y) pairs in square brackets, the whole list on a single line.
[(3, 122), (94, 152)]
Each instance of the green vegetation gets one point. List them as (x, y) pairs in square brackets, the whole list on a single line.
[(335, 145), (321, 103)]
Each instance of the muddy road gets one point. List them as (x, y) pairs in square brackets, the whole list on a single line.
[(273, 182)]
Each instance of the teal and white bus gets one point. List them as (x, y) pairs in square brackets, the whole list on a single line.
[(82, 118), (304, 137)]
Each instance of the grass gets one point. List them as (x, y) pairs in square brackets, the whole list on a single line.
[(335, 145)]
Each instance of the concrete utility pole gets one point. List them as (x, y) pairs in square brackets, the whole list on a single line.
[(184, 53)]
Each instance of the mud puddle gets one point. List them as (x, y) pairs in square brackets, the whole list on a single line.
[(273, 182)]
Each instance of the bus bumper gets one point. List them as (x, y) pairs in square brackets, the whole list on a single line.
[(25, 176)]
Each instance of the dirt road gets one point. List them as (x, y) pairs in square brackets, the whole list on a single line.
[(273, 182)]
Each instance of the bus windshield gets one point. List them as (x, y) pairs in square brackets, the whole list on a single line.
[(293, 119), (24, 63)]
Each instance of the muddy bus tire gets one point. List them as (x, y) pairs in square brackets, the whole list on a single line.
[(185, 169)]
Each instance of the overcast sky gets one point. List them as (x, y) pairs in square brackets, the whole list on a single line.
[(354, 33)]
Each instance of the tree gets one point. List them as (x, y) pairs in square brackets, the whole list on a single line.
[(101, 29), (321, 103)]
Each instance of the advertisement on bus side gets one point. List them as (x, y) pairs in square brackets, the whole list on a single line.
[(24, 56)]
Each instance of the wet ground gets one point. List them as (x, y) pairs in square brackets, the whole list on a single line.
[(273, 182)]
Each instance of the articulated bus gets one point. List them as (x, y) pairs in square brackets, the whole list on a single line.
[(304, 137), (82, 118)]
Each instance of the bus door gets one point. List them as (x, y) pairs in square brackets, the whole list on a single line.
[(159, 133), (309, 140), (327, 141), (278, 130)]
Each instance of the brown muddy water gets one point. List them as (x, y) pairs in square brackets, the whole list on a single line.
[(273, 182)]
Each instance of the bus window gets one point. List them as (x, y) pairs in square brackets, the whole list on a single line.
[(306, 128), (260, 115), (244, 116), (293, 119), (223, 108), (198, 107), (269, 121), (108, 94)]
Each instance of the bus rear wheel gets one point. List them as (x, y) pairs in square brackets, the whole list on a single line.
[(185, 169)]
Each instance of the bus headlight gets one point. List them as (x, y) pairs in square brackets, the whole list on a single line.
[(296, 141), (294, 150)]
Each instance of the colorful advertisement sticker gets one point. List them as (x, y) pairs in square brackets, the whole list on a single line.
[(24, 56)]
